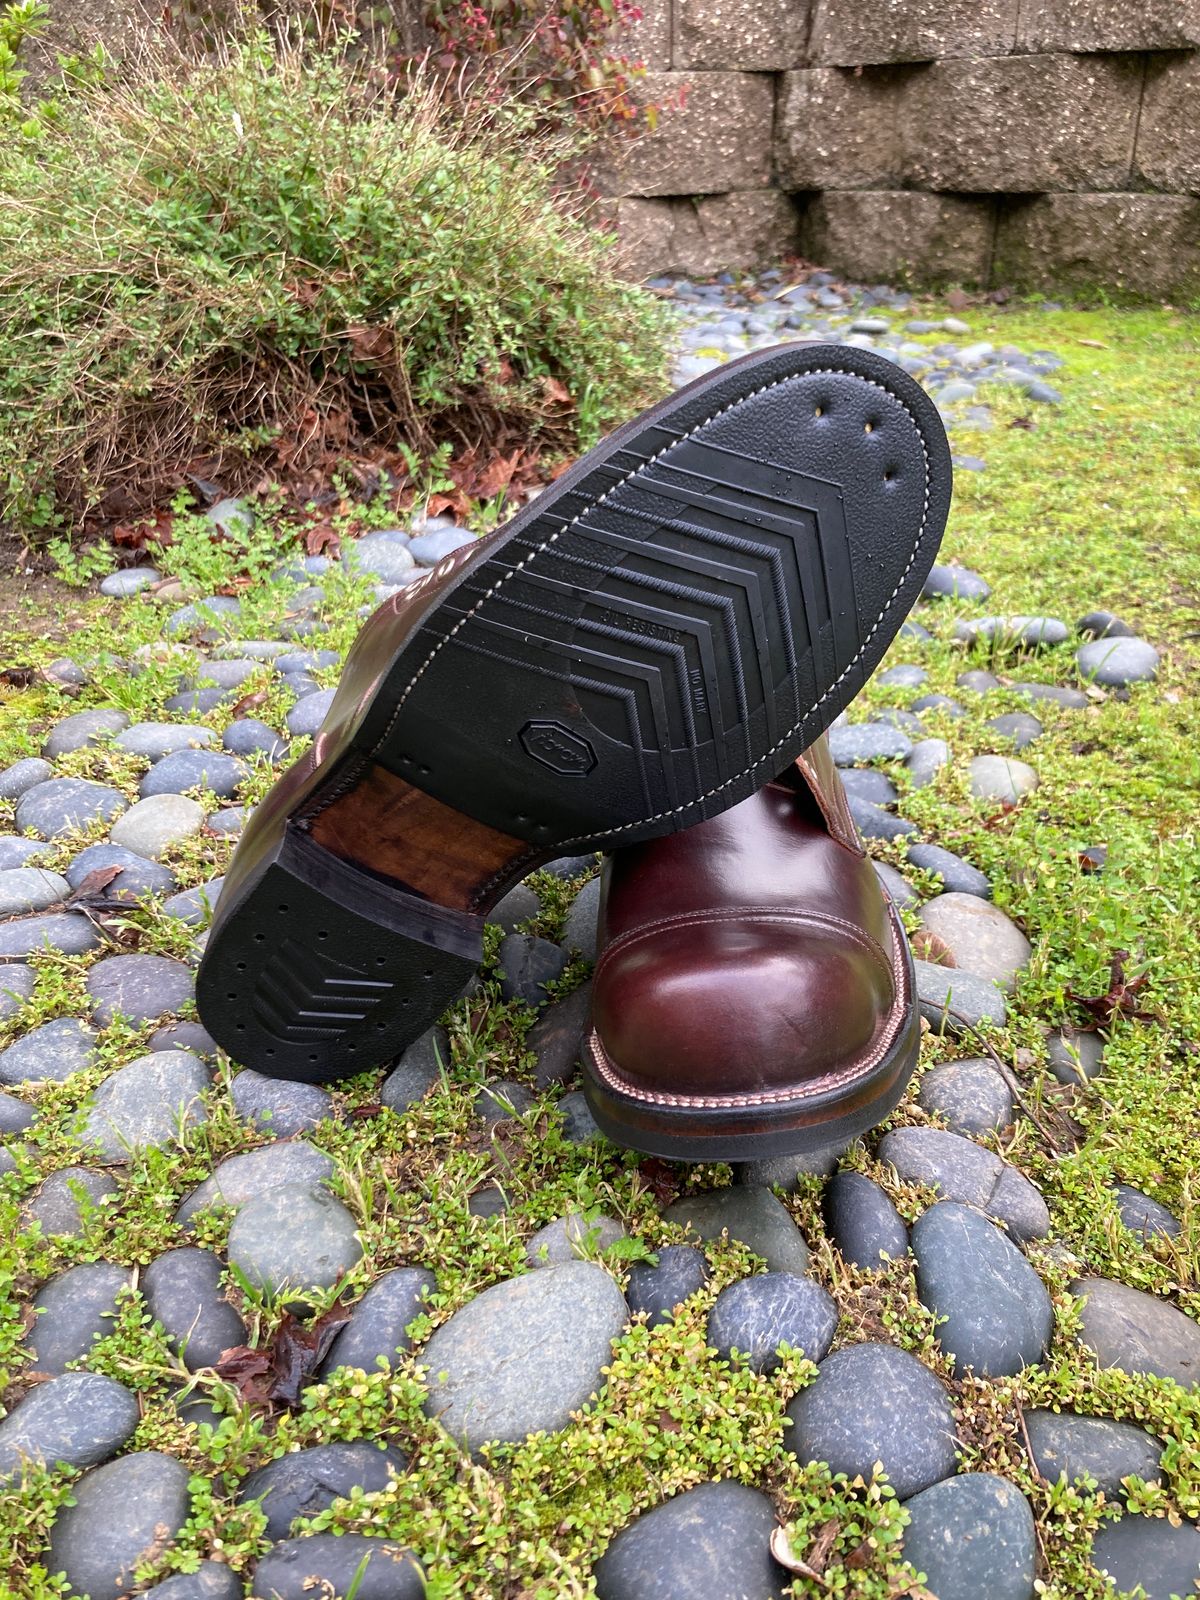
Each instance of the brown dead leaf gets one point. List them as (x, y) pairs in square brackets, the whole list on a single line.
[(375, 345), (275, 1374), (1120, 999), (557, 393), (249, 702), (20, 677), (958, 299), (321, 538), (94, 885)]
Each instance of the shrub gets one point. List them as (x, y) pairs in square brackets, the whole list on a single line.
[(272, 257)]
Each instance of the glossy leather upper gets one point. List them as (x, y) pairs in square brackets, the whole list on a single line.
[(750, 954)]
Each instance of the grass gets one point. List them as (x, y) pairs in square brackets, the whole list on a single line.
[(1091, 504)]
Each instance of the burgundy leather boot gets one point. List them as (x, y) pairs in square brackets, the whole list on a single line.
[(639, 648), (754, 990)]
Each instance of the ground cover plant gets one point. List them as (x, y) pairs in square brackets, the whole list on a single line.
[(269, 258), (1088, 503)]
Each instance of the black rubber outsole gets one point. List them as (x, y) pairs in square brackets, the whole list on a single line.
[(658, 634)]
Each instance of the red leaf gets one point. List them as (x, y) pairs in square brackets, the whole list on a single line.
[(275, 1374), (320, 538), (1121, 997)]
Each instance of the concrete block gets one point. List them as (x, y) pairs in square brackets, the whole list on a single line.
[(847, 33), (705, 235), (1148, 244), (717, 142), (1167, 155), (747, 35), (1023, 124), (1088, 25), (649, 41), (885, 236), (842, 130)]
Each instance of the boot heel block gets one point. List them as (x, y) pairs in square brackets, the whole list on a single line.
[(325, 971)]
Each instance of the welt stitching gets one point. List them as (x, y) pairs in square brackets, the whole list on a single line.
[(816, 372)]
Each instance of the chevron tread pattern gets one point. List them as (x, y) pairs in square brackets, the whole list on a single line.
[(303, 995)]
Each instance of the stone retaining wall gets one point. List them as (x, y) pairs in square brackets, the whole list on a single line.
[(1036, 143)]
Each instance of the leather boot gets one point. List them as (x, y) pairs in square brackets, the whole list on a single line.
[(753, 993), (638, 649)]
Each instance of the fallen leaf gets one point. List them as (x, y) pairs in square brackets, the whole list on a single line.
[(958, 299), (275, 1374), (248, 702), (781, 1549), (93, 885), (1120, 999)]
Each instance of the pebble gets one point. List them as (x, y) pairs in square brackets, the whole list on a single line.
[(659, 1288), (212, 1580), (233, 517), (68, 932), (65, 805), (526, 964), (789, 1172), (137, 987), (15, 1115), (202, 617), (958, 1002), (973, 1536), (49, 1054), (1019, 726), (1075, 1055), (247, 736), (153, 826), (278, 1106), (862, 1222), (872, 1402), (229, 820), (23, 775), (1063, 1444), (896, 886), (977, 681), (925, 760), (757, 1315), (1148, 1553), (419, 1068), (194, 907), (437, 543), (293, 1240), (970, 1096), (1144, 1216), (73, 1310), (1001, 778), (488, 1201), (66, 671), (994, 1312), (1117, 662), (943, 703), (753, 1216), (1072, 699), (185, 1036), (914, 631), (958, 583), (128, 581), (147, 1104), (557, 1037), (303, 1483), (869, 784), (579, 1126), (519, 905), (572, 1238), (966, 1172), (196, 702), (524, 1354), (1033, 633), (873, 822), (975, 936), (1103, 625), (904, 676), (154, 740), (713, 1541), (24, 889), (377, 1329), (384, 558), (79, 1419), (958, 876), (329, 1564), (125, 1512), (500, 1101), (307, 661), (182, 1289), (580, 928), (238, 1179), (81, 730), (138, 876), (214, 771), (307, 715), (860, 742), (67, 1198)]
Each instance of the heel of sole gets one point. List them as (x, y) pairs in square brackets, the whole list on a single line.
[(320, 971)]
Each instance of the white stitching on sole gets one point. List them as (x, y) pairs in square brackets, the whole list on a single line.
[(792, 377)]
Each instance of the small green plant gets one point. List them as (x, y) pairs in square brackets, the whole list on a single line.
[(268, 261), (19, 21)]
